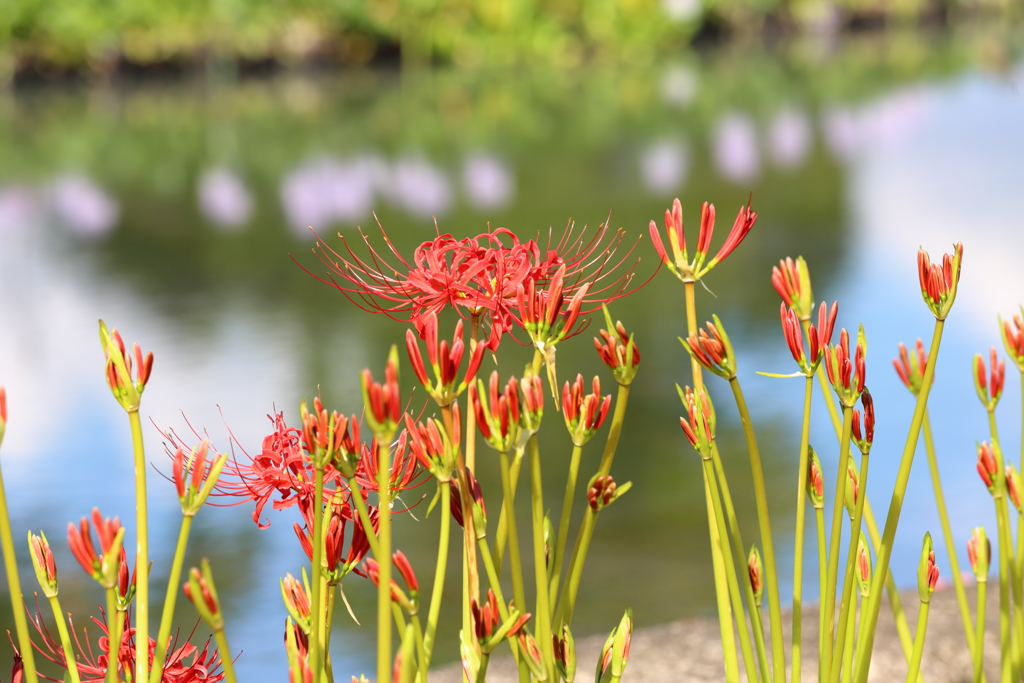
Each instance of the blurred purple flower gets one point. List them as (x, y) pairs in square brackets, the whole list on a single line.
[(487, 180), (325, 191), (790, 138), (19, 208), (842, 132), (735, 148), (663, 166), (421, 188), (224, 199), (82, 206)]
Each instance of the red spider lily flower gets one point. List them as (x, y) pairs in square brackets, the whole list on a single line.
[(545, 314), (989, 390), (3, 412), (939, 283), (322, 434), (615, 652), (125, 584), (565, 653), (18, 668), (712, 349), (533, 402), (126, 388), (195, 476), (815, 481), (296, 599), (618, 350), (794, 335), (102, 567), (911, 366), (431, 446), (202, 592), (444, 361), (1013, 485), (863, 567), (43, 563), (987, 465), (927, 571), (477, 498), (383, 401), (865, 439), (336, 562), (371, 570), (679, 262), (490, 629), (497, 414), (584, 413), (1013, 340), (406, 471), (818, 336), (755, 572), (841, 368), (404, 567), (979, 553), (699, 422), (792, 281)]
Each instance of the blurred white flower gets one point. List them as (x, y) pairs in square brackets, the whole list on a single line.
[(681, 10), (790, 138), (842, 132), (735, 148), (224, 199), (487, 181), (419, 187), (325, 191), (679, 85), (83, 206), (663, 166)]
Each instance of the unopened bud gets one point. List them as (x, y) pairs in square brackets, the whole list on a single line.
[(979, 552), (755, 572), (927, 572), (863, 566), (815, 481)]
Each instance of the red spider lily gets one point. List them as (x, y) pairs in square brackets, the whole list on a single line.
[(939, 283), (184, 663), (911, 366), (383, 401), (371, 570), (618, 350), (43, 563), (699, 422), (815, 481), (497, 414), (989, 390), (755, 573), (1013, 485), (207, 596), (928, 574), (679, 262), (584, 413), (477, 498), (712, 349), (615, 652), (325, 436), (126, 388), (429, 443), (533, 401), (1013, 339), (818, 336), (406, 471), (202, 475), (202, 593), (545, 314), (98, 566), (793, 283), (601, 492), (865, 439), (987, 465), (444, 361), (841, 368), (340, 518), (296, 600), (565, 653), (487, 621), (404, 568), (979, 552)]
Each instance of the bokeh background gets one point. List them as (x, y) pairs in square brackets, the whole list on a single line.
[(161, 164)]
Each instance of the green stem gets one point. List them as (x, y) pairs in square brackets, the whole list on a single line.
[(364, 516), (115, 619), (14, 585), (225, 656), (492, 577), (691, 328), (515, 562), (170, 598), (384, 562), (1005, 644), (421, 653), (798, 538), (328, 665), (732, 671), (501, 537), (849, 602), (848, 642), (979, 633), (439, 573), (833, 545), (611, 444), (141, 546), (65, 640), (922, 626), (543, 616), (563, 522), (316, 571), (819, 519), (320, 610), (830, 401), (767, 546), (866, 638)]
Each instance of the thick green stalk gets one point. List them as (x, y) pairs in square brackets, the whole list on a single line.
[(922, 626), (501, 536), (829, 599), (869, 619), (1005, 643), (320, 610), (691, 328), (115, 619), (514, 559), (767, 546), (611, 444), (439, 573), (563, 522), (492, 577), (819, 519), (141, 546), (474, 333), (316, 571), (732, 671), (849, 602), (65, 640), (979, 632), (14, 585), (170, 598), (225, 656), (421, 653), (384, 661), (798, 538), (328, 665), (543, 615), (848, 642)]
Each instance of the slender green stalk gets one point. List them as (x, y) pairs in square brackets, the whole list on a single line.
[(474, 333), (767, 546), (328, 665), (829, 600), (922, 626), (320, 609), (115, 619), (1001, 500), (611, 444), (866, 638), (563, 522), (819, 519), (501, 536), (141, 546), (384, 562), (979, 632), (849, 602), (170, 598), (492, 577), (14, 585), (225, 656), (798, 538), (421, 653), (691, 328), (543, 615), (732, 671), (315, 573), (439, 573), (1005, 643), (851, 627), (515, 561), (65, 640)]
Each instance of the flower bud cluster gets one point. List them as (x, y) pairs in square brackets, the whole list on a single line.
[(1013, 337), (927, 571), (979, 553), (617, 350), (699, 422), (863, 566), (911, 366), (125, 388), (615, 652), (545, 315), (818, 336), (792, 281), (679, 262), (202, 592), (584, 413), (864, 438), (383, 401), (939, 283), (989, 389), (847, 374), (712, 349), (195, 476), (444, 360)]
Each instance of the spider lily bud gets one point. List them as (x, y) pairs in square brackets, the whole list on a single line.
[(1013, 338), (679, 262), (531, 654), (201, 591), (195, 476), (815, 481), (927, 572), (3, 412), (372, 571), (565, 654), (382, 401), (852, 489), (545, 315), (404, 567), (476, 498), (296, 599), (864, 439), (102, 567), (987, 465), (497, 414), (296, 645), (711, 348), (910, 367), (533, 402), (125, 585), (617, 350), (863, 566), (699, 422), (939, 283), (841, 368), (979, 553), (755, 573), (327, 438), (444, 360), (1013, 485), (615, 653), (794, 336), (793, 283), (602, 491), (43, 563), (989, 391), (489, 628), (125, 388), (430, 444), (584, 413)]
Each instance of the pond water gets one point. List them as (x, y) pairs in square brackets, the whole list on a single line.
[(170, 209)]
